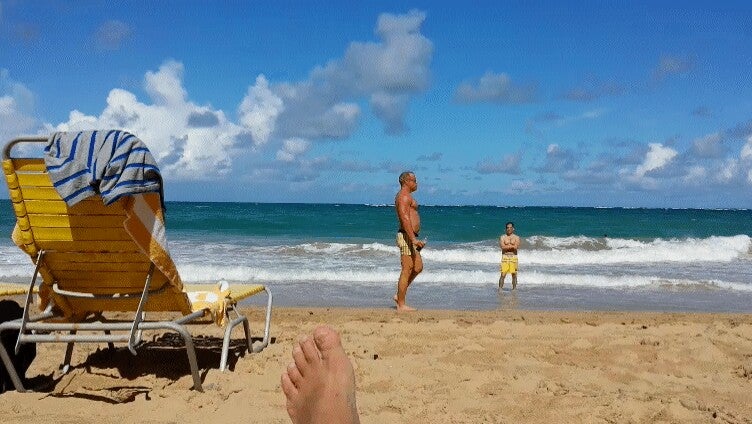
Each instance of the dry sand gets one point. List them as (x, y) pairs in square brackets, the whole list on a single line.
[(426, 367)]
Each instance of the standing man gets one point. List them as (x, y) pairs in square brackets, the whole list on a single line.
[(407, 237), (509, 244)]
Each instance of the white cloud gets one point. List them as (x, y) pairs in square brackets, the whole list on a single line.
[(184, 151), (192, 141), (495, 88), (727, 171), (292, 148), (391, 110), (259, 110), (16, 109), (746, 153), (695, 174), (386, 73), (657, 157), (165, 87), (558, 160), (509, 164), (709, 146)]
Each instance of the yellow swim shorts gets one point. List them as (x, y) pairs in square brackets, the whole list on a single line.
[(403, 245), (508, 264)]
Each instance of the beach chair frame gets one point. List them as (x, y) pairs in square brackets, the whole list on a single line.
[(37, 328)]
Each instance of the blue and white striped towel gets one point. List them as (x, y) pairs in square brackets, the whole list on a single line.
[(111, 163)]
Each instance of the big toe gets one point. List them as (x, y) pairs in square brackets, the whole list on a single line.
[(327, 340)]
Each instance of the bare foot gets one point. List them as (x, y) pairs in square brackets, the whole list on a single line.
[(320, 383), (405, 308)]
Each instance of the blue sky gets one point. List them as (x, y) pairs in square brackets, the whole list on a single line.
[(587, 103)]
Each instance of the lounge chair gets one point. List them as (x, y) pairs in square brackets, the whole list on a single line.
[(99, 263)]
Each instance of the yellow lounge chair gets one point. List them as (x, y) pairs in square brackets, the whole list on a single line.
[(92, 261)]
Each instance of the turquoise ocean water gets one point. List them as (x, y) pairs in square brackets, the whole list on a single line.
[(570, 258)]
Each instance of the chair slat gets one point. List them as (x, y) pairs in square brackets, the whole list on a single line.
[(34, 179), (29, 165), (79, 267), (39, 193), (76, 221), (86, 207), (113, 280), (53, 257), (43, 234), (87, 246)]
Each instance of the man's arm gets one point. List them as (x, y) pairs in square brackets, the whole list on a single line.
[(516, 242)]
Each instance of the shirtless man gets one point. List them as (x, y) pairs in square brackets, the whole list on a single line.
[(509, 244), (407, 237)]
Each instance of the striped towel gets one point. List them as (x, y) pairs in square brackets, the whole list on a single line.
[(145, 224), (111, 163)]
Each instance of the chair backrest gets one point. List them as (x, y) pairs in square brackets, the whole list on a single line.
[(86, 248)]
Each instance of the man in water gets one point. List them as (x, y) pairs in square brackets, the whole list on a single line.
[(509, 244), (407, 237)]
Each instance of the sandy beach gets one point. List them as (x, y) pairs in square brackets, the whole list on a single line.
[(426, 367)]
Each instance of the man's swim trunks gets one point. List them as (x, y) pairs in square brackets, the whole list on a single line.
[(508, 264), (403, 245)]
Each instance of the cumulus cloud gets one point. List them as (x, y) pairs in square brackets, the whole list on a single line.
[(509, 164), (111, 35), (259, 110), (495, 88), (695, 174), (16, 109), (391, 110), (558, 159), (727, 171), (292, 148), (709, 146), (745, 158), (385, 73), (192, 141), (656, 158), (746, 152), (189, 141)]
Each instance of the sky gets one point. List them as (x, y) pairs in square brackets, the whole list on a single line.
[(509, 103)]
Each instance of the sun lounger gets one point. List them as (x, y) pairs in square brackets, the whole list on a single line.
[(98, 263)]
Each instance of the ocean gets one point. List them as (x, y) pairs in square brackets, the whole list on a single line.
[(570, 258)]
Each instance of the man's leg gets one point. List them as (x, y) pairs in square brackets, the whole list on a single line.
[(406, 261), (417, 266), (320, 382), (514, 281), (501, 280)]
